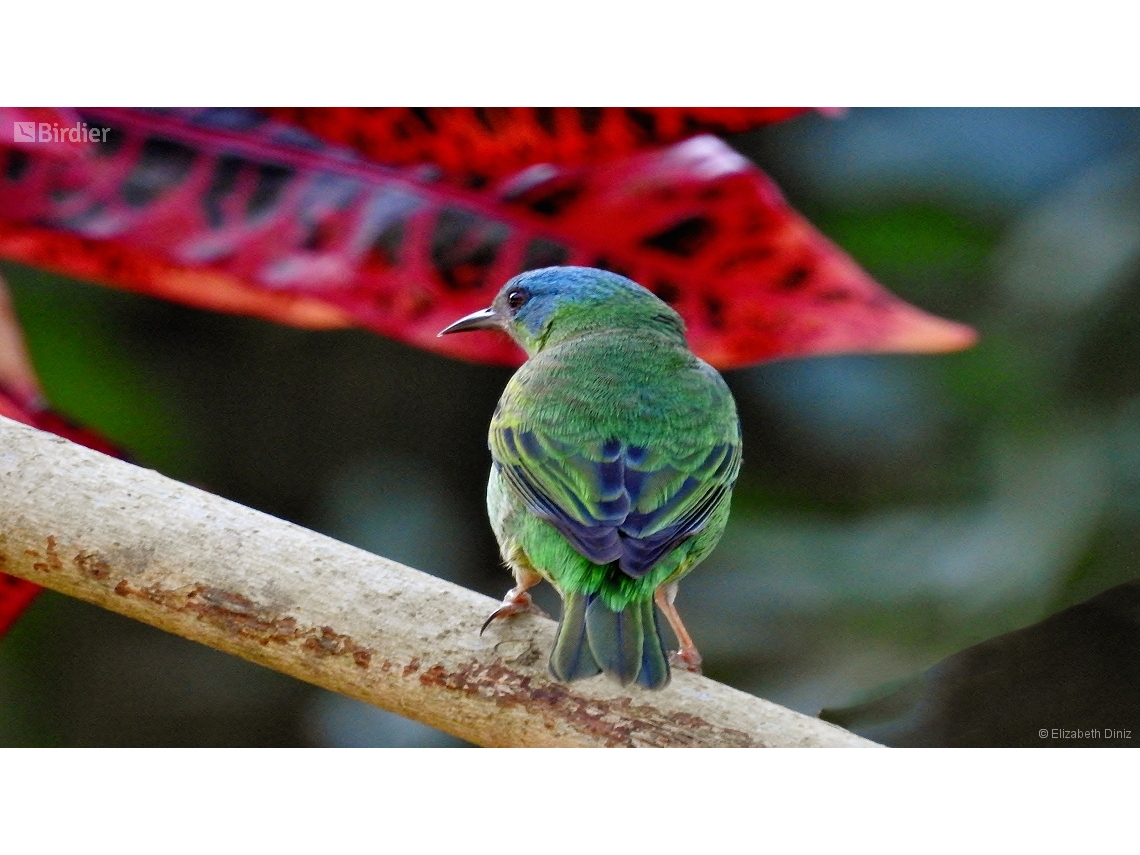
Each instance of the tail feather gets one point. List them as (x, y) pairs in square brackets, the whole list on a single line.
[(593, 638), (571, 658), (616, 638), (654, 672)]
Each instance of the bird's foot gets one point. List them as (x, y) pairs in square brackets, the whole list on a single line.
[(516, 602), (687, 658)]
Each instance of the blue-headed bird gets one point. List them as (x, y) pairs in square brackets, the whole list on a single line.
[(614, 454)]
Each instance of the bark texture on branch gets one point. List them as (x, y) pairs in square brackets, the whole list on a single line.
[(214, 571)]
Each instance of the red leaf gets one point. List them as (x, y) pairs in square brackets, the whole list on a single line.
[(706, 230), (215, 210), (495, 141)]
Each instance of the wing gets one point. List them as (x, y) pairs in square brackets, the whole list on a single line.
[(614, 500)]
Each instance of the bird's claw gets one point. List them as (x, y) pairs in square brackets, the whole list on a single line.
[(513, 604), (686, 658)]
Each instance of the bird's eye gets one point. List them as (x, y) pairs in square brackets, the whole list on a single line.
[(516, 299)]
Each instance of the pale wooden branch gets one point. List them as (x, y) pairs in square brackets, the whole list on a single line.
[(211, 570)]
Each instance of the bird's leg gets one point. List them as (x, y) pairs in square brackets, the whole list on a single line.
[(517, 599), (687, 657)]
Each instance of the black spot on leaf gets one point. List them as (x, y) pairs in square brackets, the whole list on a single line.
[(552, 203), (714, 308), (544, 253), (223, 181), (385, 226), (114, 139), (320, 236), (683, 239), (644, 121), (162, 165), (666, 290), (17, 164), (545, 118), (603, 262), (424, 117), (590, 118), (326, 196), (794, 279), (483, 117), (464, 247), (271, 181), (384, 252)]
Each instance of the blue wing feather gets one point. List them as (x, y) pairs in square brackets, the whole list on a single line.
[(593, 500)]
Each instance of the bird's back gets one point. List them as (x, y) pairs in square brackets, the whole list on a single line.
[(641, 387), (626, 443)]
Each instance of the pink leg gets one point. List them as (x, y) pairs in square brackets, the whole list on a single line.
[(517, 599), (687, 657)]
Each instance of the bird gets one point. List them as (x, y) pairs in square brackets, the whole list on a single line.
[(615, 450)]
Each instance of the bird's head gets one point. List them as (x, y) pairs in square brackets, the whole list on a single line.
[(541, 308)]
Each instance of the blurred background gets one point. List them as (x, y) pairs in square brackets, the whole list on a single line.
[(892, 512)]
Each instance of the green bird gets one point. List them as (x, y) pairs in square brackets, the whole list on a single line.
[(615, 451)]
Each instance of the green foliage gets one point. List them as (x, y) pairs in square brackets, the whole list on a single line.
[(91, 371)]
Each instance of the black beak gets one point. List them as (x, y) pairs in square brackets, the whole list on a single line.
[(484, 319)]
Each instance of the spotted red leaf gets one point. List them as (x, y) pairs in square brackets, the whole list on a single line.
[(495, 141), (225, 210)]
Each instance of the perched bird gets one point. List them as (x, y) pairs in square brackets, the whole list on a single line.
[(614, 451)]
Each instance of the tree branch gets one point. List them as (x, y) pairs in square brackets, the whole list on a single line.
[(208, 569)]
